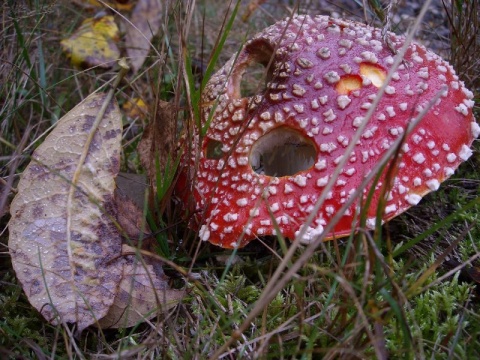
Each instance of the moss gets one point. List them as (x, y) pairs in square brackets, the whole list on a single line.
[(23, 331), (438, 320)]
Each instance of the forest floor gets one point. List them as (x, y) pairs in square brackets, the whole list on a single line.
[(422, 298)]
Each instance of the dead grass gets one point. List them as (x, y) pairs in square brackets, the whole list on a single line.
[(351, 299)]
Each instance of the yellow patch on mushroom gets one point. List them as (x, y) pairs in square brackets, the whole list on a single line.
[(374, 73), (348, 83)]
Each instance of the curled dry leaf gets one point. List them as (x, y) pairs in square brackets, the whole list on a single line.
[(144, 293), (130, 218), (159, 140), (63, 241), (93, 43), (143, 26), (132, 186)]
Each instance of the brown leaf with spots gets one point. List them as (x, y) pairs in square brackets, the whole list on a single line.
[(159, 141), (64, 244), (144, 293), (143, 26)]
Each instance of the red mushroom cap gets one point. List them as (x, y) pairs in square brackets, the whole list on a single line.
[(266, 159)]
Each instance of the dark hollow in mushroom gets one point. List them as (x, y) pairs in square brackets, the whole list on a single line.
[(282, 152)]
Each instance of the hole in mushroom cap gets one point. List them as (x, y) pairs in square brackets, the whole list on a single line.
[(253, 80), (250, 75), (213, 149), (282, 152), (375, 73), (349, 83)]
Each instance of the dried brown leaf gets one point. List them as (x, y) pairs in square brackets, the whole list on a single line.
[(251, 8), (63, 241), (144, 293), (130, 218), (144, 25), (133, 186), (159, 140)]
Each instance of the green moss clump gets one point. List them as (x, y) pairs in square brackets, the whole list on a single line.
[(20, 323), (438, 321)]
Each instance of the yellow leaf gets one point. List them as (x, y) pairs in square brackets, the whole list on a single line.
[(93, 43), (135, 108), (125, 5), (105, 26)]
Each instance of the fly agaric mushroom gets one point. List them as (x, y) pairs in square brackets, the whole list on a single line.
[(265, 159)]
